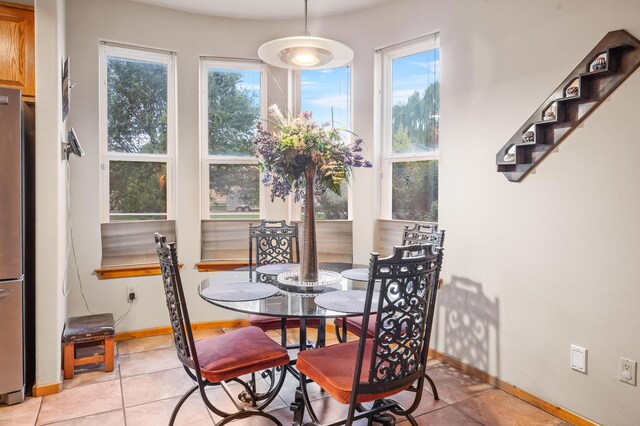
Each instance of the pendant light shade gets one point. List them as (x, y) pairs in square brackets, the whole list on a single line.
[(305, 52)]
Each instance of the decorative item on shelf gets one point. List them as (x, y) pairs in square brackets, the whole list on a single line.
[(528, 136), (571, 91), (305, 51), (599, 63), (550, 113), (301, 155), (510, 156)]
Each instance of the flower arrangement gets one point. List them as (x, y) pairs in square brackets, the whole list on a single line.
[(300, 148)]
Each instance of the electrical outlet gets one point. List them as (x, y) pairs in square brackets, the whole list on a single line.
[(131, 290), (628, 371)]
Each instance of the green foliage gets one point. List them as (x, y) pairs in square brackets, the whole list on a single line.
[(415, 129), (415, 190), (137, 187), (137, 106), (238, 181), (415, 123), (331, 206), (233, 112), (137, 124)]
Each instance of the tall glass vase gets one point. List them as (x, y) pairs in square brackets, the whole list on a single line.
[(309, 263)]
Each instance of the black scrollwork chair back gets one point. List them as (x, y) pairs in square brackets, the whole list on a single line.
[(417, 233), (395, 358), (422, 233), (213, 361), (275, 242)]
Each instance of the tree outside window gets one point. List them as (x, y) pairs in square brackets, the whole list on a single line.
[(138, 113), (412, 99), (327, 94), (232, 106)]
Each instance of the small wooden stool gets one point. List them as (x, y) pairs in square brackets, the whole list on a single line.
[(84, 331)]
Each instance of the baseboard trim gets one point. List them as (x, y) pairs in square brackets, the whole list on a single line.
[(44, 390), (540, 403), (158, 331)]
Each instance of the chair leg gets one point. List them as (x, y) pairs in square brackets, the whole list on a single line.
[(341, 332), (108, 354), (69, 360), (187, 394), (244, 414), (433, 386)]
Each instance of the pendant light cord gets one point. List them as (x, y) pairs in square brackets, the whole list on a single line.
[(306, 32)]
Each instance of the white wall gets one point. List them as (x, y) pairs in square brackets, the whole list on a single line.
[(521, 260), (191, 36), (519, 257), (51, 205)]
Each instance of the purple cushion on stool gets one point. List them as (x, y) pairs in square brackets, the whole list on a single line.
[(88, 327)]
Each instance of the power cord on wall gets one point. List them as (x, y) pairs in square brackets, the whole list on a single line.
[(70, 243)]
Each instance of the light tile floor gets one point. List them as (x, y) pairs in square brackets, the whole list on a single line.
[(148, 381)]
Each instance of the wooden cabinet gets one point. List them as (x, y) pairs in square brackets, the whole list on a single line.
[(17, 48)]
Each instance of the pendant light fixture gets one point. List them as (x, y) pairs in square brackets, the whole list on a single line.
[(305, 52)]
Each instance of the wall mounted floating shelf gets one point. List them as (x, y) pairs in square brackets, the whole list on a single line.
[(613, 59)]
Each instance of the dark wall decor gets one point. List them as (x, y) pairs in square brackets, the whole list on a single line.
[(613, 59)]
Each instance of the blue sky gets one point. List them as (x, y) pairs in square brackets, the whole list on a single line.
[(324, 89), (414, 72)]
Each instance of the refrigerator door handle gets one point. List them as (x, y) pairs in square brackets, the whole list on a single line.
[(5, 293)]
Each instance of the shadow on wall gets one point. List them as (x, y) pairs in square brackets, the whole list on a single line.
[(469, 324)]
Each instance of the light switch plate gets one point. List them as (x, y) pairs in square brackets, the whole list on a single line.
[(579, 359)]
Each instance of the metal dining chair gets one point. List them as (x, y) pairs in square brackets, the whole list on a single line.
[(276, 246), (217, 360), (276, 243), (394, 359), (418, 233)]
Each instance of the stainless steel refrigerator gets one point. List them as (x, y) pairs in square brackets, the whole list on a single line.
[(12, 247)]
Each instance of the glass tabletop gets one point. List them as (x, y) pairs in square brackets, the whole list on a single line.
[(283, 304)]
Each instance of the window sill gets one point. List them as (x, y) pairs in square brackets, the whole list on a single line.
[(113, 272), (220, 265)]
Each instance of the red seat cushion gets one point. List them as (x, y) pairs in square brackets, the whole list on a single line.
[(267, 323), (239, 352), (354, 324), (333, 367)]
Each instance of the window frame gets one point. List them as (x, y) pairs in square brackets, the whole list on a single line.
[(388, 158), (205, 158), (295, 99), (137, 54)]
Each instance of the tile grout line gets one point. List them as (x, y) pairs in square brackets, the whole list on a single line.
[(39, 409), (124, 408), (465, 414), (65, 421)]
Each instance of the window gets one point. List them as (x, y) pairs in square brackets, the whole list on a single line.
[(411, 115), (327, 94), (137, 118), (233, 100)]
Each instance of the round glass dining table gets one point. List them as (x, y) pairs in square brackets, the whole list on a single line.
[(346, 298)]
